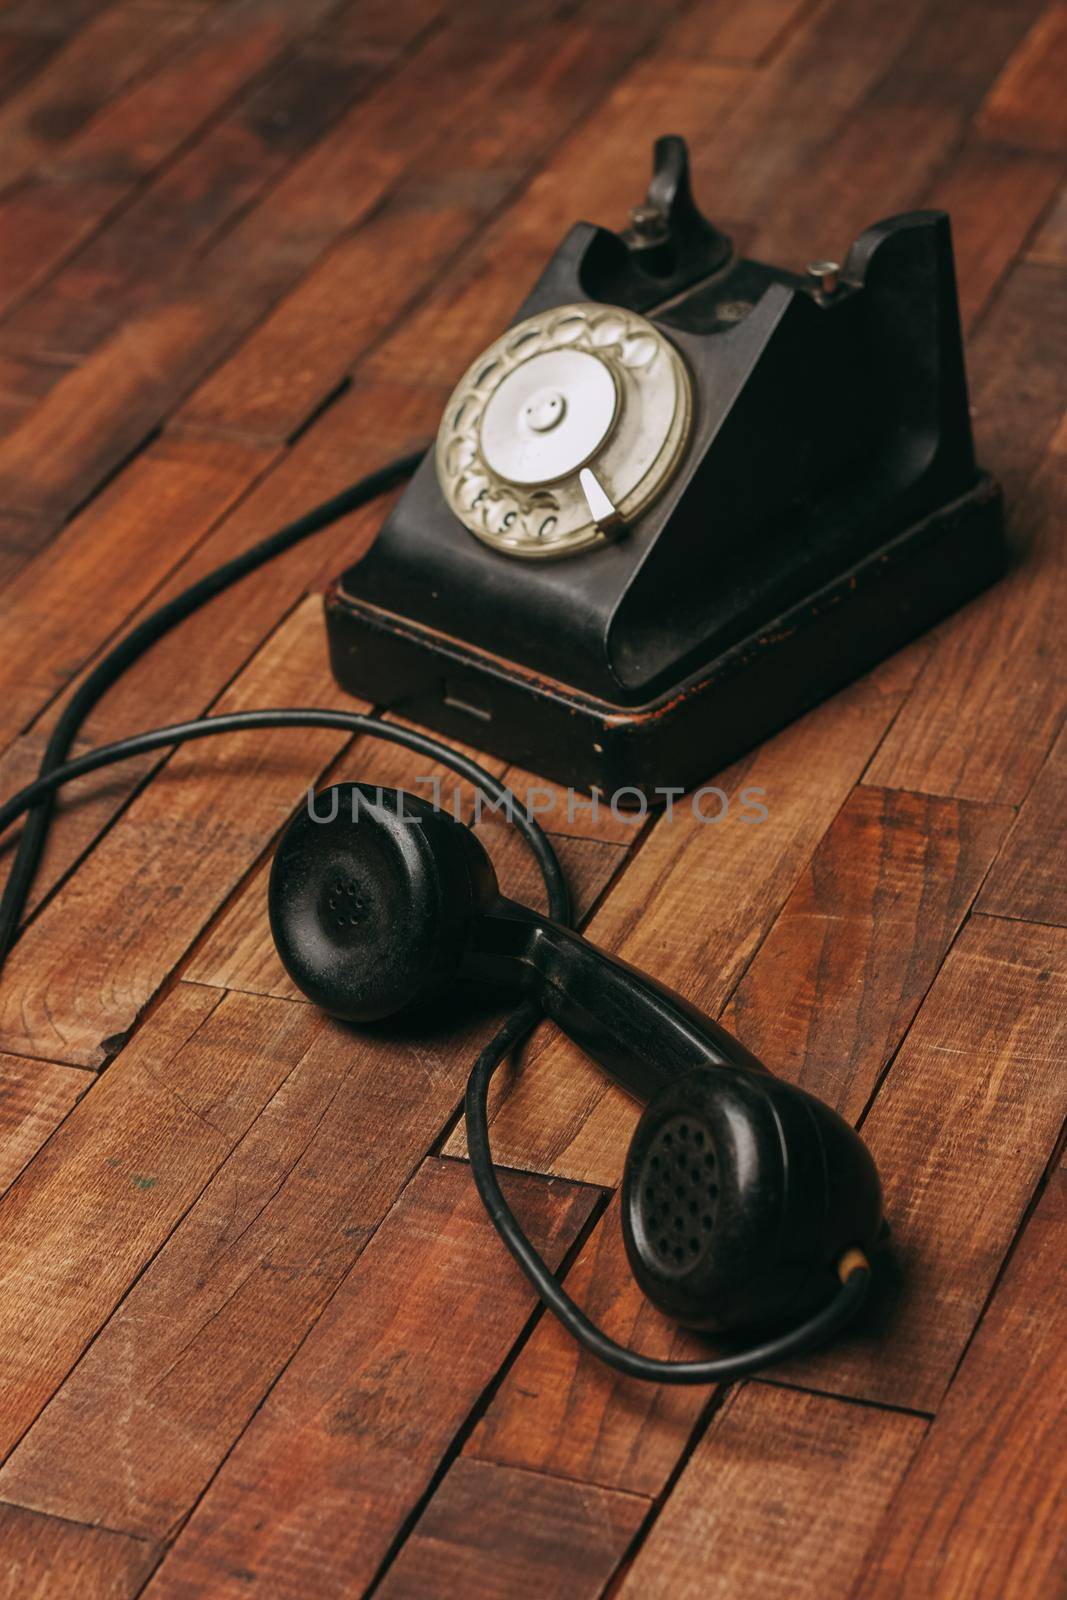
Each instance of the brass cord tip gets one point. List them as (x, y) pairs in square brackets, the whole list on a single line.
[(852, 1261)]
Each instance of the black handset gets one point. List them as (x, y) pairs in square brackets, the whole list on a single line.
[(742, 1195)]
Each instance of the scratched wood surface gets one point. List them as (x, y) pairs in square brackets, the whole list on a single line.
[(256, 1337)]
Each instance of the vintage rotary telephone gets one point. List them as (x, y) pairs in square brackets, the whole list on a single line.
[(683, 497)]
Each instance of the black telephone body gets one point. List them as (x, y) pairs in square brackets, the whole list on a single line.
[(684, 498)]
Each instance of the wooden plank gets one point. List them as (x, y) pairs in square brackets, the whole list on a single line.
[(825, 1003), (59, 20), (156, 239), (85, 969), (693, 908), (1016, 366), (111, 51), (24, 383), (345, 1443), (62, 606), (837, 981), (138, 1429), (35, 1096), (983, 1510), (778, 1499), (561, 1411), (21, 53), (101, 411), (91, 1210), (777, 131), (994, 196), (1026, 104), (494, 1532), (1029, 877), (961, 1131), (20, 538), (304, 349), (42, 227), (183, 673), (720, 30), (887, 151), (989, 703), (1050, 243), (44, 1557), (566, 813), (98, 170)]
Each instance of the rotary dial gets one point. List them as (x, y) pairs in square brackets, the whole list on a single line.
[(566, 428)]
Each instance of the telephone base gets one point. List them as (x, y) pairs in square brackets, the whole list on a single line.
[(704, 721)]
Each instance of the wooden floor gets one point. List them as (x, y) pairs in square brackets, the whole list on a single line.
[(256, 1337)]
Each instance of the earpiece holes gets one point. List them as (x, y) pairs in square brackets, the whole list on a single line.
[(346, 903), (678, 1194)]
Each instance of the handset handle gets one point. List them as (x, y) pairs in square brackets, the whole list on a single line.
[(643, 1034)]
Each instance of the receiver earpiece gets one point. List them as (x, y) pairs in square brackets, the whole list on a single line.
[(373, 899), (742, 1195)]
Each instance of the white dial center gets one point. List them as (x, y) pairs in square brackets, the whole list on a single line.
[(548, 416)]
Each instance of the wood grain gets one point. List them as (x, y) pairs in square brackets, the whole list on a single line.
[(92, 1209), (146, 250), (826, 1001), (106, 407), (961, 1131), (341, 1449), (138, 1429), (994, 196), (480, 292), (495, 1532), (85, 809), (44, 1557), (896, 141), (99, 169), (1026, 104), (1029, 877), (186, 671), (983, 1510), (1049, 244), (779, 1499), (35, 1096), (61, 607), (560, 1411), (183, 672), (836, 983), (113, 49)]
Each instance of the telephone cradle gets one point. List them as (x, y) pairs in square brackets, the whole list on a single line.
[(682, 499)]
